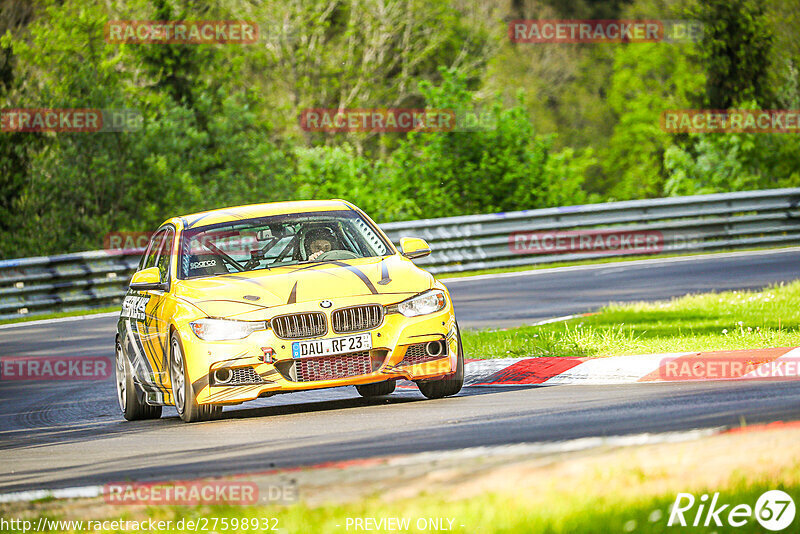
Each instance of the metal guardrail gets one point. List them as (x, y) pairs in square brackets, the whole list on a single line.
[(748, 219)]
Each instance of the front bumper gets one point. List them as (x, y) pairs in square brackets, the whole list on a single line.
[(390, 341)]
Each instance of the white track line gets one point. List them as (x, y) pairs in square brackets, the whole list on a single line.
[(572, 445), (561, 319), (59, 320), (66, 493), (593, 267), (515, 449)]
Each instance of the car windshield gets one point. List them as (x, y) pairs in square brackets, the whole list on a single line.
[(267, 242)]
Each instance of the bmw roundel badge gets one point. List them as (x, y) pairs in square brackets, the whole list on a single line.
[(325, 304)]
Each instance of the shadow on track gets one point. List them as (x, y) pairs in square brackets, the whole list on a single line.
[(314, 433), (51, 419)]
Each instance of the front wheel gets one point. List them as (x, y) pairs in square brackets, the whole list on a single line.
[(451, 384), (185, 402), (129, 396)]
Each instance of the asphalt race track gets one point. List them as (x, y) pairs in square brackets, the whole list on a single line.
[(66, 434)]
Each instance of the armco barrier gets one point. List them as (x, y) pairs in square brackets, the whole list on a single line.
[(748, 219)]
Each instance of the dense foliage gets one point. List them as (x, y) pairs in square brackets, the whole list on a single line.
[(573, 123)]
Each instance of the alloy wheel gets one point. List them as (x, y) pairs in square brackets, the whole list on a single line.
[(178, 379)]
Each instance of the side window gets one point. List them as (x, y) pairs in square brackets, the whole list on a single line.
[(356, 244), (164, 255), (371, 239), (149, 259)]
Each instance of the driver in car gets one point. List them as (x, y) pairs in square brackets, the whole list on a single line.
[(320, 241)]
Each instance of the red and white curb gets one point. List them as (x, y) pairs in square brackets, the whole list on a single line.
[(754, 364)]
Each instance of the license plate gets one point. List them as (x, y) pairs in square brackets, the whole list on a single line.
[(328, 347)]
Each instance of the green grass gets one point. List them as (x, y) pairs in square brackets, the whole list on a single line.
[(502, 513), (556, 511), (709, 321), (597, 261), (57, 315)]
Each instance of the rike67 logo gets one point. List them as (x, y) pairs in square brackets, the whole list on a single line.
[(774, 510)]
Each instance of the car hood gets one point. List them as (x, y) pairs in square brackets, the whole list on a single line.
[(387, 279)]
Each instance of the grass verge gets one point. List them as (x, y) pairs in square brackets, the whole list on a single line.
[(625, 489), (503, 513), (710, 321)]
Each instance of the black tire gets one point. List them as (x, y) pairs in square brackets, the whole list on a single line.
[(129, 396), (450, 385), (182, 390), (377, 389)]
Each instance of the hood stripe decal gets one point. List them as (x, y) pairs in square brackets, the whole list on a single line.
[(314, 266), (242, 278), (235, 215), (356, 271), (251, 281), (384, 274), (293, 295)]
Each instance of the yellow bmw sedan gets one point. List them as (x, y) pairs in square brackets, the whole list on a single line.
[(239, 303)]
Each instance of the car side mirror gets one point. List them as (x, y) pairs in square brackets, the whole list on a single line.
[(413, 247), (147, 280)]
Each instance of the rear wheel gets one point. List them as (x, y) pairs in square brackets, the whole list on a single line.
[(185, 402), (451, 384), (129, 396), (377, 389)]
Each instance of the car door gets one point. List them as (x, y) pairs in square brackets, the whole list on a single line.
[(143, 321), (157, 311)]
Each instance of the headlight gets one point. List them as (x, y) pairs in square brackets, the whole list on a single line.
[(224, 329), (429, 302)]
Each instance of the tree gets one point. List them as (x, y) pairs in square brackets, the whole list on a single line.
[(189, 154), (735, 52), (499, 168), (365, 54), (721, 162), (648, 79), (14, 147)]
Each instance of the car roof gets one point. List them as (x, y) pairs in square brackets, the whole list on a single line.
[(260, 210)]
